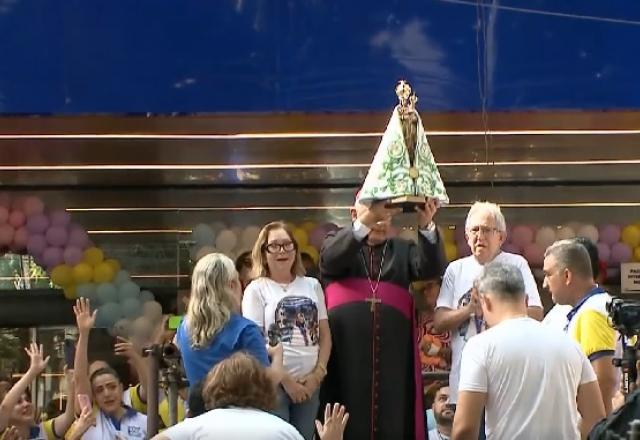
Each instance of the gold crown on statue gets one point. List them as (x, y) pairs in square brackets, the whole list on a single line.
[(406, 97)]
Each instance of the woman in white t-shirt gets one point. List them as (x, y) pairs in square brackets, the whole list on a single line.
[(280, 294)]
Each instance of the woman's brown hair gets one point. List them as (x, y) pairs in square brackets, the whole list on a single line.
[(241, 381), (260, 267)]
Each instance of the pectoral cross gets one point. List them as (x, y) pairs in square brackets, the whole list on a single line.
[(373, 300)]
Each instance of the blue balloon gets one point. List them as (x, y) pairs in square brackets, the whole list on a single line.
[(121, 277), (88, 291), (131, 308), (128, 290), (108, 315), (146, 296), (107, 293)]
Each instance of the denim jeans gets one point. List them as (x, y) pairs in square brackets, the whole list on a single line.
[(301, 415)]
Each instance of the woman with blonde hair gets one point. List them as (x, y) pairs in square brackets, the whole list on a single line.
[(281, 296), (213, 328)]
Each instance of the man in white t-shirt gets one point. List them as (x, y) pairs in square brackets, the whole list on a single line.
[(533, 382), (457, 308)]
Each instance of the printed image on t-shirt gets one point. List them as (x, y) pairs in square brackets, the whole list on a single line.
[(297, 318)]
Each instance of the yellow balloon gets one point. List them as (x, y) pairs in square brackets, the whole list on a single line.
[(449, 235), (93, 256), (308, 226), (62, 275), (451, 251), (313, 252), (103, 273), (82, 273), (70, 292), (301, 237), (631, 235), (636, 254), (115, 264)]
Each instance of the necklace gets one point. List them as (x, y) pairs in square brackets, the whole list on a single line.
[(369, 270)]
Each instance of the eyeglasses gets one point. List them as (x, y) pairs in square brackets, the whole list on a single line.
[(485, 230), (274, 248)]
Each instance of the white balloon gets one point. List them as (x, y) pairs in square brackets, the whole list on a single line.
[(249, 236), (545, 236), (153, 311), (142, 328), (590, 232), (122, 328), (565, 232), (218, 226), (203, 235), (226, 241), (205, 250)]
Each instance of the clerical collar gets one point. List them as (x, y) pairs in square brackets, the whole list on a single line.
[(596, 290)]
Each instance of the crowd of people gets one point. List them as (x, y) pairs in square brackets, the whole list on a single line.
[(270, 352)]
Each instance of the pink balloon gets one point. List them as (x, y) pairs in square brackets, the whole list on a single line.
[(458, 234), (52, 257), (621, 253), (17, 204), (6, 235), (78, 237), (534, 254), (609, 234), (72, 255), (17, 218), (60, 217), (5, 200), (38, 223), (512, 248), (33, 206), (36, 245), (57, 236), (20, 239), (604, 252), (522, 235), (463, 249), (4, 214)]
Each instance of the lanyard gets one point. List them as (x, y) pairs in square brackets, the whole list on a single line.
[(597, 290)]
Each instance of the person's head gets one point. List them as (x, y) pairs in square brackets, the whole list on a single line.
[(107, 389), (276, 252), (196, 401), (22, 413), (380, 232), (5, 386), (594, 254), (443, 411), (97, 365), (243, 266), (501, 290), (567, 271), (215, 294), (485, 230), (241, 381)]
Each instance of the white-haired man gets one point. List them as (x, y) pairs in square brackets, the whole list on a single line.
[(457, 308)]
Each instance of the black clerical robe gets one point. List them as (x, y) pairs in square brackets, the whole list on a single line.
[(374, 365)]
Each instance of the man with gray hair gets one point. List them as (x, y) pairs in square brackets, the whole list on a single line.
[(569, 277), (532, 381), (457, 308)]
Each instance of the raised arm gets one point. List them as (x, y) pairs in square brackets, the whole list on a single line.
[(63, 422), (85, 321), (127, 349), (37, 365)]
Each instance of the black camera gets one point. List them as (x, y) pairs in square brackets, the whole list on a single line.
[(624, 316)]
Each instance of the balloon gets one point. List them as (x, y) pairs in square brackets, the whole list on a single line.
[(38, 224), (313, 253), (82, 273), (205, 250), (108, 315), (36, 244), (145, 296), (631, 235), (512, 248), (545, 236), (60, 217), (106, 293), (451, 251), (218, 226), (534, 254), (78, 237), (93, 256), (249, 236), (226, 241), (308, 226), (57, 236), (565, 233), (604, 252), (121, 277), (122, 328), (237, 230), (203, 235), (32, 206), (153, 311), (522, 235), (103, 273), (72, 255), (62, 275), (610, 234), (6, 235), (301, 236), (142, 328), (636, 254), (52, 256), (131, 308), (128, 290), (449, 235), (4, 214), (316, 237), (70, 292), (590, 232), (17, 219), (87, 290), (620, 253), (114, 264), (463, 249), (574, 225), (20, 238), (5, 200), (459, 234)]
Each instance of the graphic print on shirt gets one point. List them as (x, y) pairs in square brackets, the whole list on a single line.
[(297, 318)]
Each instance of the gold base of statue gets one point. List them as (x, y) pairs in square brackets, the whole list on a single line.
[(406, 203)]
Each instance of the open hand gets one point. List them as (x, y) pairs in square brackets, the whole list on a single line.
[(36, 356), (84, 318), (335, 421), (125, 348), (376, 212), (11, 433), (427, 212)]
